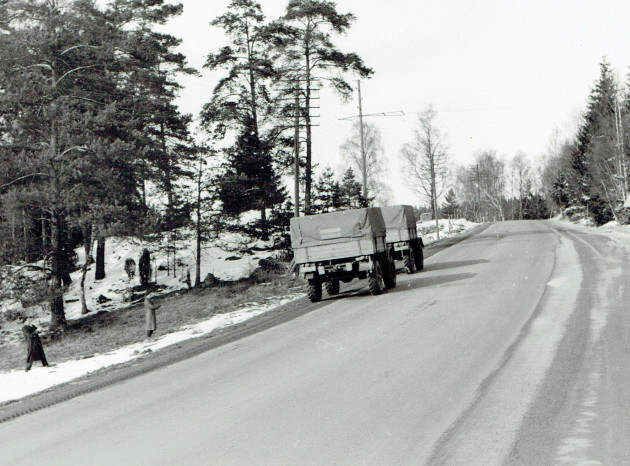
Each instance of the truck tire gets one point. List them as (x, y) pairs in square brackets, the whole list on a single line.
[(332, 287), (389, 272), (410, 263), (418, 255), (315, 290), (375, 279)]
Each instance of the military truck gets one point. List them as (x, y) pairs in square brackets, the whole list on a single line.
[(402, 236), (340, 246)]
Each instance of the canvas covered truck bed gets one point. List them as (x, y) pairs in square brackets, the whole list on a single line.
[(338, 235), (400, 221)]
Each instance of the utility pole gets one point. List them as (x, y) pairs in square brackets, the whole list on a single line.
[(364, 161), (478, 192), (296, 149), (293, 112), (363, 158)]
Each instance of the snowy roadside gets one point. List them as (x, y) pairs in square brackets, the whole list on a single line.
[(448, 228), (18, 383), (620, 234)]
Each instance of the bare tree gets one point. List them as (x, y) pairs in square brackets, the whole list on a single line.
[(425, 161), (520, 175), (491, 180), (375, 166)]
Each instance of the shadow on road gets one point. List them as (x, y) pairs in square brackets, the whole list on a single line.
[(452, 264), (422, 281), (425, 281)]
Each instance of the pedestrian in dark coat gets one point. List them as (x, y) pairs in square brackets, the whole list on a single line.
[(34, 348), (150, 320)]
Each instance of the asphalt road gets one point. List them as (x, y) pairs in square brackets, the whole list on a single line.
[(510, 348)]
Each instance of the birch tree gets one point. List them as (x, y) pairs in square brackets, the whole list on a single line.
[(375, 163), (425, 161)]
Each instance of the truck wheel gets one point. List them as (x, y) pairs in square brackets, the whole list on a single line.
[(389, 272), (375, 279), (410, 263), (332, 287), (314, 290), (418, 256), (420, 263)]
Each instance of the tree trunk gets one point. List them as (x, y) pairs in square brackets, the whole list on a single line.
[(263, 223), (87, 243), (100, 259), (198, 225), (168, 177), (57, 311), (84, 308), (44, 233)]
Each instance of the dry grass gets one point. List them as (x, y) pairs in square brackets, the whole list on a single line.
[(107, 331)]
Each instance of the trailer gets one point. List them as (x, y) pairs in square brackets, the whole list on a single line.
[(402, 236), (340, 246)]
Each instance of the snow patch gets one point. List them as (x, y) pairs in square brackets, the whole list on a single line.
[(18, 384)]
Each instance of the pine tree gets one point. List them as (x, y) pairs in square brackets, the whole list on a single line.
[(241, 102), (303, 37), (73, 115)]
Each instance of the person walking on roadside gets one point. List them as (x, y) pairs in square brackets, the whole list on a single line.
[(34, 348), (150, 319)]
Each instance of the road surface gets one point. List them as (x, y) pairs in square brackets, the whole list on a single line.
[(512, 347)]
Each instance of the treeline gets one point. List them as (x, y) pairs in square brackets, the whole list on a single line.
[(583, 175), (494, 188), (587, 173), (90, 133)]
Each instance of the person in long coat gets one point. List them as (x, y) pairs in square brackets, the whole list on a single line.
[(150, 319), (34, 347)]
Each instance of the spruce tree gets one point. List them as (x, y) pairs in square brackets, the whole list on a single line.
[(327, 193), (592, 178), (351, 191)]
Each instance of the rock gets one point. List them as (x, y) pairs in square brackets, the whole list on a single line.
[(232, 258), (102, 299), (209, 281)]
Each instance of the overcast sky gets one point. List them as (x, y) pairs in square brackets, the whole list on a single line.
[(501, 73)]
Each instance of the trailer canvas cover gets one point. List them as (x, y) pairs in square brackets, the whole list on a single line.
[(313, 230), (399, 217)]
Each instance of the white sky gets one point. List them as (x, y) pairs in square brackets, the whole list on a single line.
[(501, 74)]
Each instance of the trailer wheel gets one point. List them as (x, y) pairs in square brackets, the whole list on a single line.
[(375, 279), (418, 255), (315, 290), (410, 263), (389, 272), (332, 287)]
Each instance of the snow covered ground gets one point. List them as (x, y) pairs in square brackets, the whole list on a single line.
[(225, 260), (448, 228), (17, 384)]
